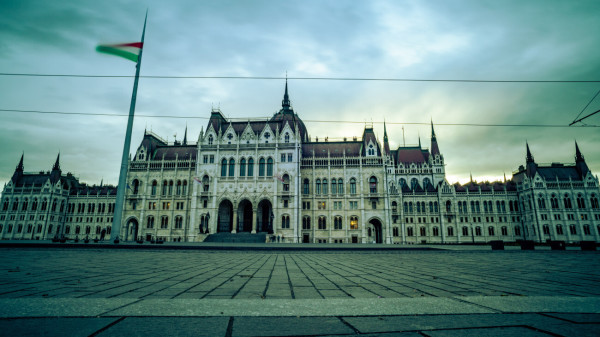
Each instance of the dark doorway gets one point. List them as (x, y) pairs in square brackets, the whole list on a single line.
[(265, 217), (377, 228), (225, 217), (305, 238), (245, 216), (131, 231)]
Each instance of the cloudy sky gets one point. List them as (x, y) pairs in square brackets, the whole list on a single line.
[(480, 40)]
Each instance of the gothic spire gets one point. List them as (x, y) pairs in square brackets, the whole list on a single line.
[(285, 104), (435, 150), (20, 166), (18, 171), (185, 136), (580, 163), (578, 155), (386, 145), (529, 158), (56, 164)]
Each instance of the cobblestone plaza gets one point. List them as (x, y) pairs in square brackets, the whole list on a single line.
[(455, 292)]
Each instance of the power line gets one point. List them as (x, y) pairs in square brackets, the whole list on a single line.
[(582, 110), (301, 78), (239, 119)]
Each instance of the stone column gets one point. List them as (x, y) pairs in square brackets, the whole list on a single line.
[(234, 223), (254, 220)]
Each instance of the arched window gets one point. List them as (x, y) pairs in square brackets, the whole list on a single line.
[(285, 221), (205, 183), (231, 167), (243, 167), (435, 206), (250, 167), (554, 202), (491, 231), (170, 187), (436, 231), (88, 230), (430, 207), (184, 190), (210, 140), (325, 186), (337, 222), (150, 222), (164, 222), (165, 187), (594, 202), (67, 229), (261, 167), (44, 204), (426, 183), (62, 206), (504, 230), (414, 183), (580, 201), (394, 207), (465, 231), (559, 230), (77, 229), (287, 137), (318, 186), (306, 223), (5, 205), (418, 207), (34, 204), (352, 186), (567, 202), (333, 186), (178, 222), (340, 186), (178, 188), (15, 204), (154, 185), (373, 185), (224, 167), (286, 183), (98, 230), (306, 186), (402, 183), (54, 205), (541, 202), (269, 167), (422, 231), (448, 206), (405, 207), (136, 186), (410, 207), (322, 222), (478, 231), (409, 231), (25, 204)]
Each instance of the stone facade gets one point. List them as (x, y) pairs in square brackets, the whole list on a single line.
[(269, 176)]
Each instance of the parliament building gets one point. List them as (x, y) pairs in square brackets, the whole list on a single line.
[(268, 176)]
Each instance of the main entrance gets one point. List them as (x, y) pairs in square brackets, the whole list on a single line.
[(375, 231), (244, 216), (131, 230), (265, 217), (225, 216)]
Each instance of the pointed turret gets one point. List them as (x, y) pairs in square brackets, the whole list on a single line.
[(285, 103), (531, 165), (56, 172), (386, 145), (435, 150), (18, 171), (580, 163), (185, 137)]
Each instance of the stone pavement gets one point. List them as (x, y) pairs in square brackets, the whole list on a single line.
[(113, 292)]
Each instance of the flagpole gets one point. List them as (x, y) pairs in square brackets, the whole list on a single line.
[(116, 225)]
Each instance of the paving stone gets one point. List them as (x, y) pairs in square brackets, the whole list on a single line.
[(487, 332), (65, 307), (288, 326), (168, 326), (576, 318), (50, 327), (538, 304)]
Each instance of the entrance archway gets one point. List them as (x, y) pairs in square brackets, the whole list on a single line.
[(131, 230), (376, 230), (244, 216), (265, 217), (225, 216)]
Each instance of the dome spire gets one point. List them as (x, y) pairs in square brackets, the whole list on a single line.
[(285, 104)]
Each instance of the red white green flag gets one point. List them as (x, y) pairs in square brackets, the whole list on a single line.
[(130, 51)]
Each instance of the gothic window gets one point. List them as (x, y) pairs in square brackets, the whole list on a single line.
[(373, 185), (88, 230), (178, 188), (54, 205), (231, 167), (34, 204), (430, 207), (353, 222), (418, 207), (5, 205), (422, 231), (229, 137), (322, 222), (546, 229), (165, 187), (306, 223), (136, 186), (541, 202), (559, 230), (352, 186), (410, 207), (394, 207), (287, 137), (15, 204), (98, 230), (491, 231), (426, 183), (414, 183), (554, 201), (567, 202), (243, 167), (261, 167), (573, 229), (25, 204), (170, 187), (184, 189), (286, 183), (150, 222), (250, 167), (178, 222), (340, 186), (306, 186), (224, 167), (405, 207), (402, 183), (62, 206), (435, 206), (465, 231), (580, 202), (210, 140), (318, 186), (586, 230), (333, 186), (436, 231), (154, 185), (517, 230), (504, 230), (269, 167), (594, 202), (205, 183), (164, 222), (423, 206), (77, 229), (267, 136), (478, 231), (44, 204), (503, 204), (409, 231), (325, 186), (448, 206)]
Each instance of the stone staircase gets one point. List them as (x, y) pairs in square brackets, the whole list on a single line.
[(237, 238)]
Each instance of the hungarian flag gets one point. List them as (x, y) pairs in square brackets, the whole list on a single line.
[(130, 51)]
